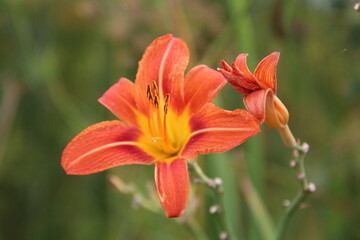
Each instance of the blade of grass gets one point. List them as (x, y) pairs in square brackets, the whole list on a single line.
[(259, 212), (242, 27), (219, 165)]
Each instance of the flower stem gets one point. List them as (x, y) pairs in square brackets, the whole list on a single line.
[(287, 137), (218, 209), (307, 188), (194, 229)]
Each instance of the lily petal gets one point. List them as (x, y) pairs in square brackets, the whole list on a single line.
[(120, 100), (241, 68), (164, 62), (218, 130), (102, 146), (172, 183), (266, 70), (235, 81), (202, 84), (255, 103)]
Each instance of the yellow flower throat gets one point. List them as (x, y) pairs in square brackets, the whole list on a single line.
[(165, 132)]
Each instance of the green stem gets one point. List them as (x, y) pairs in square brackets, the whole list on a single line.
[(219, 209), (193, 227), (151, 204), (307, 188), (8, 108), (258, 210)]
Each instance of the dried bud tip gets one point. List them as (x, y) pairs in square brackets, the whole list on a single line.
[(117, 183), (305, 147), (286, 203), (292, 163), (300, 176), (214, 209), (304, 205), (224, 236), (311, 187)]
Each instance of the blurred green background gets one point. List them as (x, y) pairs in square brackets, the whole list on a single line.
[(58, 57)]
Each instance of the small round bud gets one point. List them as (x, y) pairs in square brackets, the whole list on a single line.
[(214, 209), (311, 187), (357, 7), (286, 203), (292, 163), (300, 176), (218, 181), (224, 236), (305, 147)]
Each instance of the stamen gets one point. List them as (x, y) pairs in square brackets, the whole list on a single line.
[(157, 118), (155, 88), (149, 94), (156, 101), (166, 104)]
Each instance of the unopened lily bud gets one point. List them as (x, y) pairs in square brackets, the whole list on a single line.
[(277, 115)]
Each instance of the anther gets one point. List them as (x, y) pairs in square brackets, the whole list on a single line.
[(149, 94), (166, 104), (156, 101), (154, 87)]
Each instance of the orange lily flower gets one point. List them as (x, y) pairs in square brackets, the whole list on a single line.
[(166, 119), (259, 90)]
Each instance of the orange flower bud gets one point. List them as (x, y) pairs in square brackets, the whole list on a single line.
[(259, 90), (276, 116)]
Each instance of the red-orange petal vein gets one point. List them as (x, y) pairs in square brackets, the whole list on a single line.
[(172, 183), (265, 72), (255, 103), (163, 62), (218, 130), (120, 100), (202, 84), (101, 146)]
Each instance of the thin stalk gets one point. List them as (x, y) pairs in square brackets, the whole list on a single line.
[(242, 27), (195, 230), (150, 203), (218, 210), (8, 109), (258, 210), (307, 188)]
